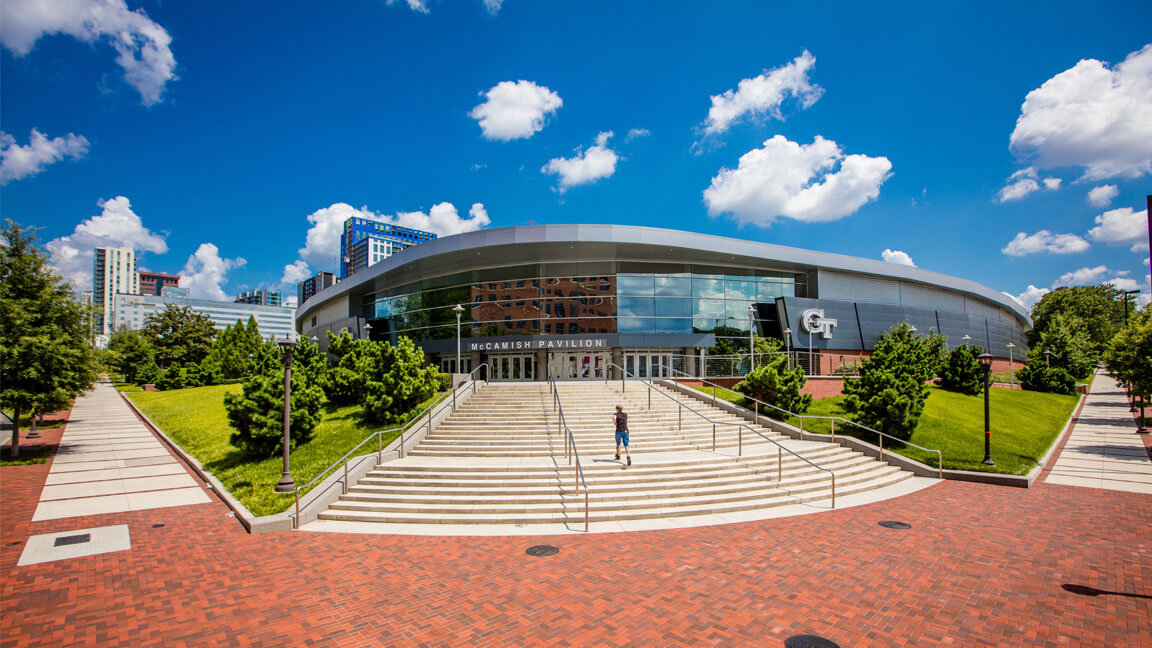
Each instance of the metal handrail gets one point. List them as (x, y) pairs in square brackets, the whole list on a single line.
[(739, 426), (569, 442), (756, 412), (379, 436)]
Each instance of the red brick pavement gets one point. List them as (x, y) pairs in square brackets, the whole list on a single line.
[(981, 566)]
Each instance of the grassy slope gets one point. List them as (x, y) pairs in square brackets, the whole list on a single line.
[(195, 418), (1024, 424)]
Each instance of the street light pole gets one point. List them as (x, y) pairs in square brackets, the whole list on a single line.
[(286, 485), (986, 362), (788, 346), (458, 310), (1011, 375), (367, 331), (751, 339), (1048, 358)]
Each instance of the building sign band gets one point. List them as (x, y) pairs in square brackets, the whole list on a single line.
[(812, 320), (527, 345)]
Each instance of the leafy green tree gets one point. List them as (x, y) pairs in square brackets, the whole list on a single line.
[(232, 351), (1071, 346), (45, 357), (171, 378), (180, 335), (1100, 309), (773, 383), (148, 374), (398, 381), (963, 373), (344, 383), (1129, 355), (890, 394), (1036, 376), (131, 351), (257, 413)]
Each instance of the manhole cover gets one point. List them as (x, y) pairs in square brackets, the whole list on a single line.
[(73, 539), (543, 550), (893, 524), (157, 526), (809, 641)]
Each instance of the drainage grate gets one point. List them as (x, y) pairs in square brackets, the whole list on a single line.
[(542, 550), (12, 544), (809, 641), (157, 526), (893, 524), (74, 539)]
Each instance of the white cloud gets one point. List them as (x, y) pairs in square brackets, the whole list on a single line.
[(763, 95), (897, 257), (142, 46), (1103, 195), (1081, 277), (1124, 226), (633, 133), (419, 6), (443, 219), (290, 301), (1044, 241), (493, 6), (514, 110), (206, 270), (1124, 283), (1024, 182), (585, 167), (295, 272), (116, 226), (18, 162), (322, 242), (1093, 117), (797, 181), (1031, 296)]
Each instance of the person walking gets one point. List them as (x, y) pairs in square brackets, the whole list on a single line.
[(621, 421)]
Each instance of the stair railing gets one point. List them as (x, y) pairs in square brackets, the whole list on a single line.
[(418, 421), (802, 417), (740, 427), (569, 442)]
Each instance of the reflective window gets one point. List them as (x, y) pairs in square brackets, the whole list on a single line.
[(673, 286), (640, 306), (673, 307), (634, 285)]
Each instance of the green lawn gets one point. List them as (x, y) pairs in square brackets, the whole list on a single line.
[(1024, 424), (195, 418)]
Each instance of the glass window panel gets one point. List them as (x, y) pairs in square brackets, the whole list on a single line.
[(636, 324), (636, 306), (740, 290), (634, 285), (673, 307), (673, 287), (709, 309), (707, 288), (674, 325)]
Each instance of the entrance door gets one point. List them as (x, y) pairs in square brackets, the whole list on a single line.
[(648, 364), (512, 367), (448, 365), (579, 366)]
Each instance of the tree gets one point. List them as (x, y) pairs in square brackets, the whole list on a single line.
[(890, 394), (232, 351), (398, 381), (1129, 355), (773, 383), (344, 383), (1070, 345), (257, 413), (1037, 376), (962, 372), (180, 335), (1099, 308), (131, 351), (45, 358)]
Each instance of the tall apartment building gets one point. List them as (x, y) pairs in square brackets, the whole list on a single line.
[(357, 252), (260, 297), (113, 271), (132, 311), (313, 285), (154, 283)]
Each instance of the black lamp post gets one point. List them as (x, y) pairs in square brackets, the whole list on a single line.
[(1143, 429), (286, 485), (986, 362)]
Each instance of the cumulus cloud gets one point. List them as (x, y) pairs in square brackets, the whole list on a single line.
[(1030, 297), (1024, 182), (443, 219), (493, 6), (142, 46), (206, 270), (116, 226), (796, 181), (897, 257), (1124, 283), (585, 167), (419, 6), (290, 301), (1103, 195), (1044, 241), (1081, 277), (633, 133), (295, 272), (18, 162), (763, 95), (1093, 117), (1124, 226), (514, 110)]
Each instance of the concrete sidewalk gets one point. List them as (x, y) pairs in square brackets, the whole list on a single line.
[(1104, 450), (108, 462)]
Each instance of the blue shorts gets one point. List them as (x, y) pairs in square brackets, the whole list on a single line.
[(622, 438)]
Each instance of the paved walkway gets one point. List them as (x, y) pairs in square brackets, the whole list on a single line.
[(1103, 450), (108, 461)]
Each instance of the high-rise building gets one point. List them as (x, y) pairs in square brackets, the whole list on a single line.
[(132, 312), (313, 285), (113, 271), (260, 297), (390, 240), (153, 283)]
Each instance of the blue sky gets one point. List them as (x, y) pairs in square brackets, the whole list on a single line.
[(225, 140)]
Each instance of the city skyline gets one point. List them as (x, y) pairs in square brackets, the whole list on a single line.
[(879, 136)]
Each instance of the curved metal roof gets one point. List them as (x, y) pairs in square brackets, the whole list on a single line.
[(568, 243)]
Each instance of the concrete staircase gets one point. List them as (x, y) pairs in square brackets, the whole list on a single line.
[(500, 460)]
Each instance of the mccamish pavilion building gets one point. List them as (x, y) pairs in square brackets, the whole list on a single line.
[(574, 298)]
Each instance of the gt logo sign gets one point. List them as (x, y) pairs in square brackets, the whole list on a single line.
[(812, 320)]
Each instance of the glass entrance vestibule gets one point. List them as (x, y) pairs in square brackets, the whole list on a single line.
[(648, 364), (585, 365), (519, 366)]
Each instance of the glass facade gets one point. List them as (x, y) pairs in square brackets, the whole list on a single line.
[(607, 297)]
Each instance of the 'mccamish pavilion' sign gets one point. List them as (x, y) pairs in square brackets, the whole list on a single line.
[(528, 345)]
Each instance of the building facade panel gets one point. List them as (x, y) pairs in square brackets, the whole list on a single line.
[(131, 311)]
